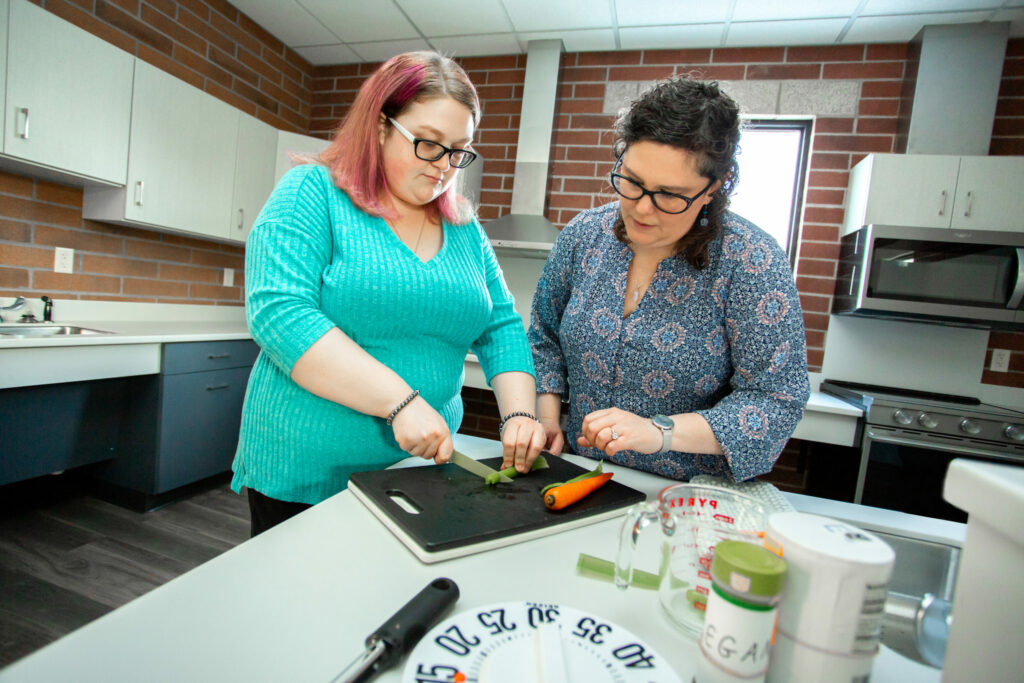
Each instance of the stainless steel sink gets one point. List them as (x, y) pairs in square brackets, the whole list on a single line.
[(29, 330)]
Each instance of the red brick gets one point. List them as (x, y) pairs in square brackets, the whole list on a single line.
[(1010, 106), (828, 179), (815, 357), (591, 73), (571, 201), (815, 339), (133, 27), (879, 107), (513, 77), (573, 168), (495, 92), (609, 58), (197, 7), (155, 287), (14, 231), (229, 63), (809, 266), (814, 232), (489, 63), (202, 65), (825, 53), (708, 73), (574, 137), (593, 185), (173, 29), (639, 73), (833, 125), (676, 56), (1013, 67), (881, 89), (201, 26), (819, 250), (217, 260), (164, 63), (748, 54), (29, 257), (38, 212), (815, 285), (498, 166), (1002, 339), (495, 197), (817, 214), (592, 122), (828, 197), (189, 273), (574, 153), (780, 71), (282, 65), (17, 185), (1015, 47), (58, 282), (1007, 147), (157, 251), (887, 51), (877, 126), (821, 160), (1005, 379), (266, 72), (259, 98), (215, 292), (224, 8), (230, 97), (853, 143), (1007, 127), (815, 321), (863, 70), (14, 278), (116, 265), (815, 303)]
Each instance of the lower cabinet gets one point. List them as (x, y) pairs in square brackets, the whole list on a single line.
[(182, 425)]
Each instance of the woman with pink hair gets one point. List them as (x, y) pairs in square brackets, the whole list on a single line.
[(367, 280)]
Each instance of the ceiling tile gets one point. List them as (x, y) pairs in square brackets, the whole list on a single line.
[(459, 18), (671, 37), (320, 55), (903, 28), (875, 7), (361, 20), (772, 10), (288, 21), (550, 15), (478, 46), (794, 32), (660, 12), (380, 51), (587, 40)]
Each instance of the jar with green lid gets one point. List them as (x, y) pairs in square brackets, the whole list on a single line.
[(746, 584)]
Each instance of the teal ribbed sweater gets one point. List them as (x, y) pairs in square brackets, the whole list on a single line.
[(314, 261)]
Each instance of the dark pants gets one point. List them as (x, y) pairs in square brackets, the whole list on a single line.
[(266, 512)]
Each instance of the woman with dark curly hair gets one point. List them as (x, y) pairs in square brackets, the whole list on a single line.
[(671, 325)]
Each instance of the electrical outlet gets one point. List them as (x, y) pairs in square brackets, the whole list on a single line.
[(1000, 360), (229, 277), (63, 260)]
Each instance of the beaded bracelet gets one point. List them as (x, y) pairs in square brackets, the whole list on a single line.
[(407, 401), (518, 413)]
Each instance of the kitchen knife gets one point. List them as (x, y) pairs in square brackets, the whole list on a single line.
[(478, 468), (399, 634)]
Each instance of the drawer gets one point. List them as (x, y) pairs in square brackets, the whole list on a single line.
[(202, 356), (200, 416)]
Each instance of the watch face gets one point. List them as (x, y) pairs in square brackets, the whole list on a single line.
[(514, 642), (663, 422)]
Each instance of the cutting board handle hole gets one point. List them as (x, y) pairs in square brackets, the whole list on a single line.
[(403, 501)]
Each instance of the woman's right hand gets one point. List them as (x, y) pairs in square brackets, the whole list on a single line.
[(421, 431)]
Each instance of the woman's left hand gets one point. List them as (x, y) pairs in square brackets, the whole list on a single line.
[(612, 430), (523, 440)]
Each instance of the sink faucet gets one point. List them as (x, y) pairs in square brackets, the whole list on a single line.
[(19, 303)]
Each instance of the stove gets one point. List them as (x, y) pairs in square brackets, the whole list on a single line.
[(908, 438)]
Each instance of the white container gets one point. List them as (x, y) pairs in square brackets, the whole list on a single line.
[(987, 610), (831, 611)]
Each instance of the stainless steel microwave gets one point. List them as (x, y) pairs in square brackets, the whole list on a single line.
[(971, 278)]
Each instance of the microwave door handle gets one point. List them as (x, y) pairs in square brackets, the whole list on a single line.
[(1018, 288)]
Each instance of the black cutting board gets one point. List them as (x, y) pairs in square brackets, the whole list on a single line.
[(459, 514)]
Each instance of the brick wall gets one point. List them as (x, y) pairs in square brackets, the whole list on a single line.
[(208, 44)]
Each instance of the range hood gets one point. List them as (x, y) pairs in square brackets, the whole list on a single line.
[(525, 227)]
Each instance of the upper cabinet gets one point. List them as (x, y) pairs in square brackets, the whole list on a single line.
[(292, 147), (254, 161), (181, 161), (67, 96), (936, 191)]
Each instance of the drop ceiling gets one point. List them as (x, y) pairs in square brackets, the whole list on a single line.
[(351, 31)]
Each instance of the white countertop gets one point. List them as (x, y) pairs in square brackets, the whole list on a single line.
[(298, 602)]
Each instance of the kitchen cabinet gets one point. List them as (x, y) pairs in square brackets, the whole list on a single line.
[(68, 97), (297, 144), (254, 159), (181, 161), (936, 191), (182, 426)]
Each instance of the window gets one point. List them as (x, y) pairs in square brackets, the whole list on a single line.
[(773, 162)]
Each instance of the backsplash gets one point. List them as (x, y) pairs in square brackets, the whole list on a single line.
[(112, 262), (1014, 343)]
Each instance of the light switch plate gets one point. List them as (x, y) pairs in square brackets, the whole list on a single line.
[(229, 277), (1000, 360), (63, 260)]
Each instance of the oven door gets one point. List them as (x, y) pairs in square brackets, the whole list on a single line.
[(900, 470)]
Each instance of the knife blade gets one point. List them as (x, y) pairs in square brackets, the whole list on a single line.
[(478, 468), (399, 634)]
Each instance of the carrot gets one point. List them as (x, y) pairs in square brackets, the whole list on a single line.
[(567, 494), (586, 475)]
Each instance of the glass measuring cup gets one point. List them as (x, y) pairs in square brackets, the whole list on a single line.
[(694, 518)]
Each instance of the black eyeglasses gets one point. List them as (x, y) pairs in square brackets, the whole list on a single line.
[(668, 202), (428, 150)]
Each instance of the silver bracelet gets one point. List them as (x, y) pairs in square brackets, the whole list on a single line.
[(407, 401), (517, 413)]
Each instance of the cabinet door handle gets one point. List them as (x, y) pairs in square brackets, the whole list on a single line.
[(217, 387), (216, 356), (139, 187), (970, 203), (24, 129), (241, 218), (942, 206)]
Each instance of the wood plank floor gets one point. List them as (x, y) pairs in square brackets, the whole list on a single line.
[(67, 557)]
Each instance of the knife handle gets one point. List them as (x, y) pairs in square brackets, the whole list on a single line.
[(405, 628)]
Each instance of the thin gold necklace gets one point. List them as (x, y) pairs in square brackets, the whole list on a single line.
[(419, 235)]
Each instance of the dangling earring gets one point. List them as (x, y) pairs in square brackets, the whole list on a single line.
[(704, 216)]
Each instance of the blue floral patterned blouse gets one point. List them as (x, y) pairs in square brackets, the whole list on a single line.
[(726, 342)]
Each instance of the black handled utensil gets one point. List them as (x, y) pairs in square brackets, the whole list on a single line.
[(402, 631)]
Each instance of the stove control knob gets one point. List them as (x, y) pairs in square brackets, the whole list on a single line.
[(902, 417), (1015, 432), (927, 421), (968, 426)]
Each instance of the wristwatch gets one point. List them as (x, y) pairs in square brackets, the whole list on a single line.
[(666, 425)]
